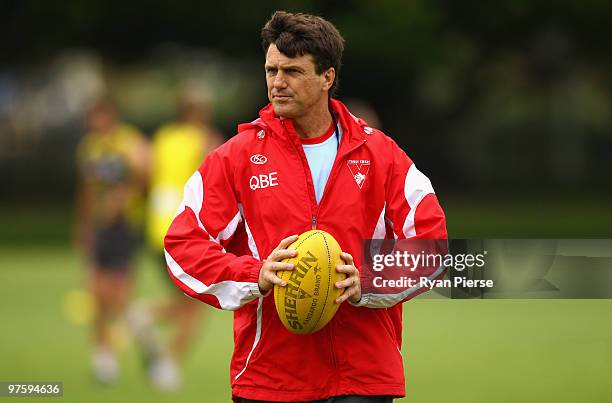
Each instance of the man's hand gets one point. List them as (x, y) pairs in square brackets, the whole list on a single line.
[(352, 283), (267, 273)]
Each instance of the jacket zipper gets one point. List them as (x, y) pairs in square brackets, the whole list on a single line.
[(310, 186), (334, 172), (307, 174), (331, 346), (330, 180)]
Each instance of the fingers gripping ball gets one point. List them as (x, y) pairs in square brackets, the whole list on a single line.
[(307, 304)]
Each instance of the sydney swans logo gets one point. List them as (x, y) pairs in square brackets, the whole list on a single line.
[(359, 169)]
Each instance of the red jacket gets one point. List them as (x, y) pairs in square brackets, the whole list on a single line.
[(257, 189)]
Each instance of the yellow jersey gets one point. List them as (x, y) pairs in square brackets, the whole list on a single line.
[(107, 163), (178, 150)]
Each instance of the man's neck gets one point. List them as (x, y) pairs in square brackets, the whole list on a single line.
[(315, 123)]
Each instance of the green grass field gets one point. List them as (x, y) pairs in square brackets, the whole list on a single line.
[(455, 350)]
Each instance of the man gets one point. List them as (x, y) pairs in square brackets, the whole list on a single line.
[(305, 163), (112, 161)]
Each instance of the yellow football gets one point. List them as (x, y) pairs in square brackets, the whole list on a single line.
[(307, 303)]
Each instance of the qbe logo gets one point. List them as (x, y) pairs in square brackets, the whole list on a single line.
[(263, 181)]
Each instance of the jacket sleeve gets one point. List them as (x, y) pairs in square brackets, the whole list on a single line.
[(411, 212), (206, 221)]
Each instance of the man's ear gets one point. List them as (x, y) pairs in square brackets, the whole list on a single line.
[(329, 76)]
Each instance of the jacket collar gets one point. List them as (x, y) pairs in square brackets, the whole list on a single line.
[(353, 129)]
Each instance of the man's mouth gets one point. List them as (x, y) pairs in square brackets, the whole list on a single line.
[(281, 97)]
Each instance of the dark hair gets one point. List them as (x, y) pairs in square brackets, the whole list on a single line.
[(302, 34)]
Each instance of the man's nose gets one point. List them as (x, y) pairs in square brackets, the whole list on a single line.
[(279, 80)]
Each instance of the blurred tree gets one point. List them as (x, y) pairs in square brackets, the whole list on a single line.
[(500, 94)]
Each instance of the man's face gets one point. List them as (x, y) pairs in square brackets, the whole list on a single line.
[(293, 85)]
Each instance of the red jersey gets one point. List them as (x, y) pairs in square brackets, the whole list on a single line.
[(257, 189)]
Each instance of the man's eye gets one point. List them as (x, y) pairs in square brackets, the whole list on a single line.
[(271, 71)]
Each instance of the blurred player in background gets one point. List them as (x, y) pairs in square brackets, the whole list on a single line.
[(178, 149), (113, 163)]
